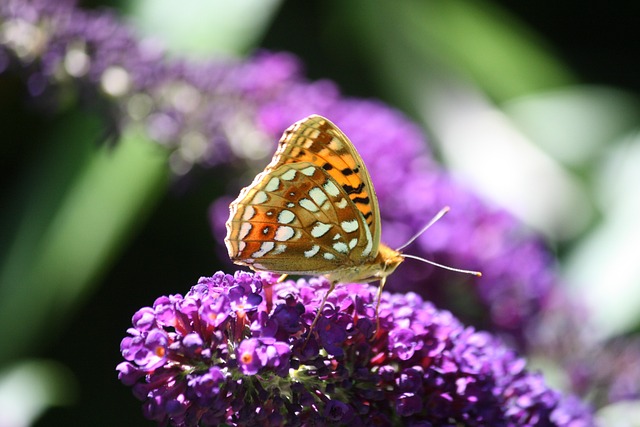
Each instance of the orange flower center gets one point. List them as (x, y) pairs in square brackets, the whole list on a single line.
[(246, 358)]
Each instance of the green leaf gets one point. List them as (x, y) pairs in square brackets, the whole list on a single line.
[(55, 266)]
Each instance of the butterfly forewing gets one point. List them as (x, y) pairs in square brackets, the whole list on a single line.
[(318, 141)]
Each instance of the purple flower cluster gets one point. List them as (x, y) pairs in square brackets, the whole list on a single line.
[(606, 373), (203, 112), (236, 350)]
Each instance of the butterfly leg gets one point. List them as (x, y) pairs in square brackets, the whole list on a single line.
[(378, 297), (282, 278), (320, 308)]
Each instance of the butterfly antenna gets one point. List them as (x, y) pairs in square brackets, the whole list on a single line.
[(435, 219), (446, 267)]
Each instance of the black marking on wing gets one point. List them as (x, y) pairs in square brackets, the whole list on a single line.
[(351, 190)]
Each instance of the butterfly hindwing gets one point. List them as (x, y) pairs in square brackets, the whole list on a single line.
[(295, 219)]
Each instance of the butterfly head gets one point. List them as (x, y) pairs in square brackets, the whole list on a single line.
[(376, 269), (389, 258)]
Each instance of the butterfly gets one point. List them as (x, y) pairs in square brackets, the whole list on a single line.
[(313, 211)]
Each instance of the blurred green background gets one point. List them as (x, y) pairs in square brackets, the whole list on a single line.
[(531, 103)]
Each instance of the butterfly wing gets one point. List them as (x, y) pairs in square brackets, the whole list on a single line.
[(311, 211), (317, 140), (295, 219)]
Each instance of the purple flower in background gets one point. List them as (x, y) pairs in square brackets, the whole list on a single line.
[(202, 112), (612, 366), (423, 367)]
